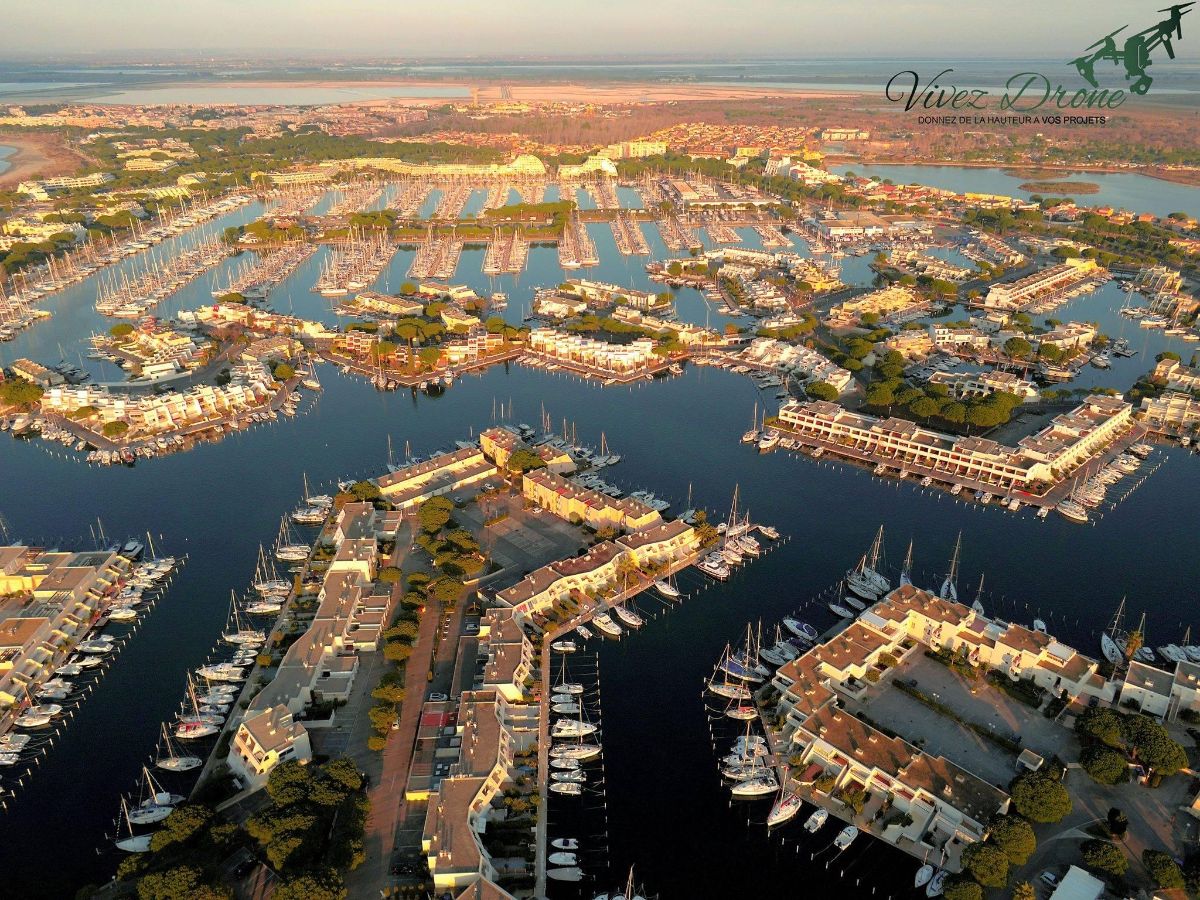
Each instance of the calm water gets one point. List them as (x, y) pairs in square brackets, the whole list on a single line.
[(1138, 193), (283, 94), (215, 505), (5, 153)]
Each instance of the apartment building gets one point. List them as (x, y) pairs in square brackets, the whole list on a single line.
[(1052, 453), (958, 339), (524, 165), (1022, 293), (351, 616), (1171, 409), (795, 359), (440, 475), (949, 806), (52, 598), (570, 501), (162, 413), (594, 354), (982, 384), (1177, 376), (892, 304)]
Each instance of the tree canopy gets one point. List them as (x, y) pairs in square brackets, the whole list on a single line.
[(1040, 798)]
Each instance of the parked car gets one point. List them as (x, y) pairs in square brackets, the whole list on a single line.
[(437, 697), (1049, 878)]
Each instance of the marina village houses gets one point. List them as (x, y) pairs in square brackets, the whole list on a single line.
[(949, 807), (1069, 441), (49, 601), (498, 717)]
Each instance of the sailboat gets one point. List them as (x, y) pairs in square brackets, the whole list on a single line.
[(727, 687), (785, 808), (937, 883), (156, 805), (1108, 639), (172, 759), (239, 634), (287, 548), (131, 843), (924, 875), (1142, 653), (666, 587), (629, 892), (906, 569), (978, 601), (864, 579), (751, 436), (949, 589)]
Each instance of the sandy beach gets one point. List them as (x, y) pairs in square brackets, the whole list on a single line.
[(38, 154)]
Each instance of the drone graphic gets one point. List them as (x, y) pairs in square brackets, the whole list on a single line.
[(1134, 53)]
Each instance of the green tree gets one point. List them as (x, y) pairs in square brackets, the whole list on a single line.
[(987, 864), (182, 825), (1100, 723), (954, 412), (924, 407), (960, 888), (20, 393), (1015, 837), (179, 883), (365, 491), (880, 394), (1118, 823), (434, 513), (288, 783), (390, 575), (1163, 869), (523, 460), (1018, 348), (121, 329), (283, 372), (1104, 765), (322, 885), (1023, 890), (1152, 745), (408, 288), (1040, 798), (114, 429), (821, 390), (1101, 856)]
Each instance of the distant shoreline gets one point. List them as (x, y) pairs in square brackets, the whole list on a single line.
[(37, 154), (490, 90), (1176, 177)]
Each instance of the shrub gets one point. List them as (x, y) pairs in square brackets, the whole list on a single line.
[(959, 888), (1101, 856), (1163, 869)]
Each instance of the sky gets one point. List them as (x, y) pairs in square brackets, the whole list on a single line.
[(410, 29)]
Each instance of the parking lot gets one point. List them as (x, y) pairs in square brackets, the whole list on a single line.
[(973, 701)]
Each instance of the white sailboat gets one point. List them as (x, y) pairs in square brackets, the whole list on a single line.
[(865, 579), (131, 843), (1108, 639), (949, 590), (906, 569)]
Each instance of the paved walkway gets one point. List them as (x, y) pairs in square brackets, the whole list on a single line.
[(387, 792)]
